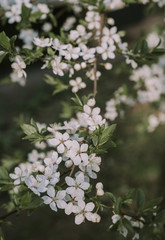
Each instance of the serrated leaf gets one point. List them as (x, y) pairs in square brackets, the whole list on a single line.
[(160, 218), (117, 205), (25, 12), (4, 42), (107, 134), (25, 200), (3, 174), (2, 56), (111, 196), (95, 140), (153, 203), (140, 199), (28, 129)]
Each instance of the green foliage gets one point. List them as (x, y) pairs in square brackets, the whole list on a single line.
[(33, 133), (32, 56), (55, 82), (142, 54), (134, 216), (3, 174), (4, 42)]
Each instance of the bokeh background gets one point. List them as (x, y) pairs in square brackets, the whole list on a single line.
[(137, 161)]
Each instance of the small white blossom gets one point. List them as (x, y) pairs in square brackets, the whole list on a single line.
[(18, 175), (55, 200), (77, 84), (77, 186), (18, 67)]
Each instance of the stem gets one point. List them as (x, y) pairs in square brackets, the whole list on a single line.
[(72, 170), (96, 59), (8, 214)]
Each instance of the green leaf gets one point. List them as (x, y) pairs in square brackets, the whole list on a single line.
[(25, 13), (95, 140), (111, 196), (12, 42), (140, 199), (66, 111), (59, 86), (28, 129), (6, 187), (2, 56), (129, 194), (160, 218), (25, 200), (77, 100), (107, 134), (153, 203), (53, 19), (35, 16), (4, 42), (3, 174), (117, 205)]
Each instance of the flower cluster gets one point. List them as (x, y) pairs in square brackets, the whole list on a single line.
[(13, 11), (115, 106), (150, 83), (136, 224), (61, 176)]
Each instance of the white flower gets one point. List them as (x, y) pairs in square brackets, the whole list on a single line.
[(40, 145), (58, 66), (47, 27), (14, 14), (93, 19), (18, 67), (54, 161), (99, 188), (37, 185), (27, 36), (109, 35), (90, 74), (136, 236), (106, 51), (35, 156), (14, 78), (51, 175), (83, 211), (60, 141), (77, 84), (18, 175), (43, 8), (55, 200), (91, 102), (42, 42), (111, 110), (77, 186), (115, 218), (78, 153), (108, 66), (68, 24), (92, 166), (95, 218), (70, 208), (70, 52), (87, 53)]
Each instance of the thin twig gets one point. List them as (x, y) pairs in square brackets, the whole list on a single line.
[(96, 59), (8, 214), (72, 170)]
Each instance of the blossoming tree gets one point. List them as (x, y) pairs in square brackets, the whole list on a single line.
[(61, 171)]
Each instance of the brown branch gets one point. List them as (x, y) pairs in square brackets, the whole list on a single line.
[(7, 215), (96, 59), (72, 170)]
